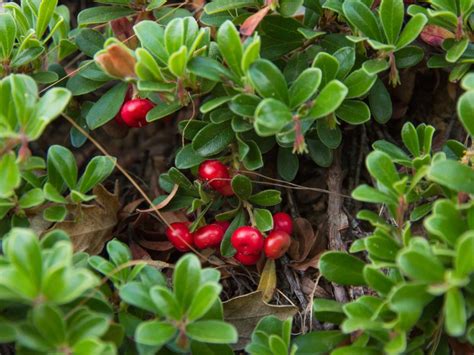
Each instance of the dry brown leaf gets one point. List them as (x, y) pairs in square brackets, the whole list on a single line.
[(268, 280), (94, 224), (307, 246), (165, 202), (245, 311)]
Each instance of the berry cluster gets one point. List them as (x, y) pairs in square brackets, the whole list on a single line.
[(248, 241)]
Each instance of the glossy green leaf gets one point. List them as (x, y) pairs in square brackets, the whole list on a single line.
[(268, 80), (213, 139), (453, 175), (154, 333), (411, 31), (97, 170), (263, 219), (212, 331), (228, 40), (271, 116), (328, 100), (361, 17), (354, 112), (329, 66), (381, 167), (465, 108), (65, 163), (8, 31), (9, 175), (455, 312), (304, 87), (342, 268), (102, 14), (391, 14), (359, 82), (287, 164), (45, 14), (107, 106)]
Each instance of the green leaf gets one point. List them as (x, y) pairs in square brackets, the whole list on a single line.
[(391, 14), (361, 17), (228, 40), (287, 164), (185, 278), (7, 35), (464, 261), (271, 116), (367, 193), (456, 50), (31, 198), (165, 302), (45, 14), (411, 31), (49, 322), (55, 213), (453, 174), (421, 266), (177, 62), (187, 158), (408, 56), (381, 167), (9, 175), (213, 139), (353, 111), (162, 110), (377, 280), (50, 106), (329, 66), (227, 249), (320, 342), (319, 153), (151, 36), (154, 333), (212, 331), (217, 6), (244, 104), (465, 108), (266, 198), (408, 300), (263, 219), (329, 134), (268, 80), (304, 87), (410, 138), (107, 107), (63, 161), (380, 102), (328, 100), (206, 295), (289, 7), (242, 186), (326, 310), (342, 268), (155, 4), (359, 82), (97, 170), (102, 14), (251, 53), (455, 312)]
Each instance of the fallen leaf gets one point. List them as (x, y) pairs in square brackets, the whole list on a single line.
[(94, 224), (268, 280), (245, 311), (165, 202), (306, 247)]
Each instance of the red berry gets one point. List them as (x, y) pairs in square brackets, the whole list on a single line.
[(217, 174), (134, 112), (276, 244), (180, 236), (282, 222), (247, 259), (224, 224), (247, 240), (209, 236)]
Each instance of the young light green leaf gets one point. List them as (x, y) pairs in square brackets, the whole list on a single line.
[(228, 40), (7, 35), (391, 16), (411, 31), (328, 100), (45, 13), (9, 175), (271, 116), (304, 86), (268, 80), (360, 16)]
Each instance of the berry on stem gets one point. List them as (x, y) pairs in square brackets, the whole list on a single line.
[(283, 222), (134, 112), (179, 235), (247, 259), (209, 236), (247, 240), (217, 174), (277, 244)]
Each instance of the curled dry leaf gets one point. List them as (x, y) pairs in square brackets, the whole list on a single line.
[(435, 35), (306, 247), (165, 202), (245, 311), (94, 223)]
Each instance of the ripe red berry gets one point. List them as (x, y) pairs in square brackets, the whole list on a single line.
[(247, 240), (282, 222), (134, 112), (179, 235), (277, 244), (224, 224), (217, 174), (247, 259), (209, 236)]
